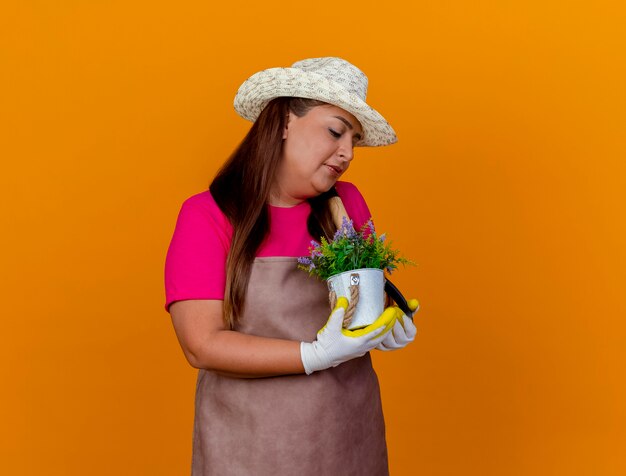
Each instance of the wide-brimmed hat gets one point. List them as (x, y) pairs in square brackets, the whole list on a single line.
[(331, 80)]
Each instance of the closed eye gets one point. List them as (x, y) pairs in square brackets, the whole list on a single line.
[(334, 133)]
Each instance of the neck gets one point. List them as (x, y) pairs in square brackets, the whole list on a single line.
[(282, 198)]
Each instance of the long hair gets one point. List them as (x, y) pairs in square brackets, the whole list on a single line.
[(242, 189)]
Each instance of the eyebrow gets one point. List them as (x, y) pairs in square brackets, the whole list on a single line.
[(350, 126)]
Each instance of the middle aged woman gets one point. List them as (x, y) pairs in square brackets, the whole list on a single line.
[(241, 308)]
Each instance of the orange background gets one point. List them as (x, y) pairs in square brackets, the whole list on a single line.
[(507, 187)]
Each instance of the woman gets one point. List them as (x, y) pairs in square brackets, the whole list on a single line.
[(281, 389)]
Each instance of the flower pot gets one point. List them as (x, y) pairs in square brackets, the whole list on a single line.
[(370, 283)]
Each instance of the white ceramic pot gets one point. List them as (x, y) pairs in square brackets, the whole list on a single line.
[(371, 284)]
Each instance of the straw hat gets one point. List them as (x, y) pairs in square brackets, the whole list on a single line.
[(332, 80)]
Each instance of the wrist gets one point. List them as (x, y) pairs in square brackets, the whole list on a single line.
[(312, 360), (305, 353)]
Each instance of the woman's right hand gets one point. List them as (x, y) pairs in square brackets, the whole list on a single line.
[(335, 345)]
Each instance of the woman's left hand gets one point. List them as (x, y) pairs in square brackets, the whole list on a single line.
[(403, 332)]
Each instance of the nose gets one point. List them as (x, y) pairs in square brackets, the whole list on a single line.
[(346, 148)]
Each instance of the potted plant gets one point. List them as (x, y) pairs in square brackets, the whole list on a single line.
[(353, 264)]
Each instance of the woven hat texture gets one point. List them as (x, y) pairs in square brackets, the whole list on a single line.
[(332, 80)]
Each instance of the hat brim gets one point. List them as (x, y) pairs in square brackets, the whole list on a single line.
[(254, 94)]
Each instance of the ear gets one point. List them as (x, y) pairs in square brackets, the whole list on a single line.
[(286, 128)]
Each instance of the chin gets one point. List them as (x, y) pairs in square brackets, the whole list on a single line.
[(324, 187)]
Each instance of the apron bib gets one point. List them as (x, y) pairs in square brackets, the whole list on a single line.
[(327, 423)]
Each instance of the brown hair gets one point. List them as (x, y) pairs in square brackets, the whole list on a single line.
[(242, 188)]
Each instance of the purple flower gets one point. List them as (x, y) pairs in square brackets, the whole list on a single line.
[(345, 230), (305, 261), (382, 237)]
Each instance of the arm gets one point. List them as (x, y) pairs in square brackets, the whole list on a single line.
[(207, 344)]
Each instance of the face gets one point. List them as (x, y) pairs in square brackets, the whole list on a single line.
[(317, 150)]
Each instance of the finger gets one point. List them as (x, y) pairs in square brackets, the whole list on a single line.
[(400, 318), (396, 339), (399, 333), (389, 341), (341, 302), (409, 328), (384, 321), (382, 347), (377, 336), (399, 314), (335, 321), (379, 340), (366, 333)]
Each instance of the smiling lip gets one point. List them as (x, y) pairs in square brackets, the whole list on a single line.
[(334, 169)]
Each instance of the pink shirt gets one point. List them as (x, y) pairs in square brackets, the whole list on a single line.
[(195, 266)]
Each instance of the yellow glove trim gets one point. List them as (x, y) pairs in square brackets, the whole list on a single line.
[(399, 314), (386, 319), (341, 302)]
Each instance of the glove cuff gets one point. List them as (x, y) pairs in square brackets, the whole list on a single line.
[(312, 360)]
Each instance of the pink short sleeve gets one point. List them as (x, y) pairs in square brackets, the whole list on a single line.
[(195, 265), (354, 202)]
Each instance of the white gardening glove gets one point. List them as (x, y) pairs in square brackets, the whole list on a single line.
[(335, 345), (403, 332)]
